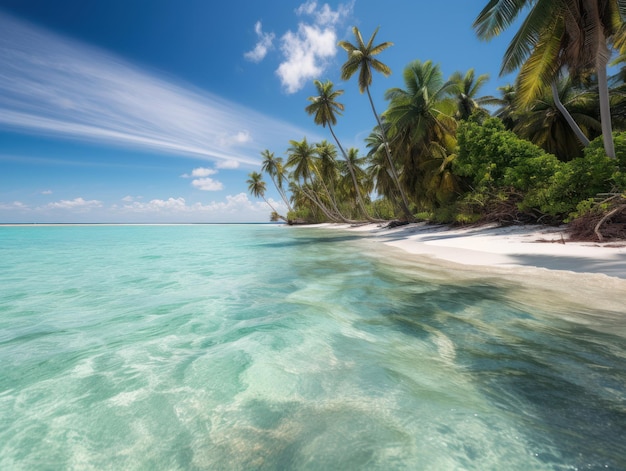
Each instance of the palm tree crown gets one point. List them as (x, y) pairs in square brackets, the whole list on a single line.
[(361, 58), (557, 34), (324, 106)]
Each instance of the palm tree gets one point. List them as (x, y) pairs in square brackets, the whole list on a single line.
[(572, 34), (356, 163), (468, 86), (361, 58), (378, 168), (507, 106), (256, 186), (273, 166), (544, 125), (421, 121), (325, 109), (301, 157)]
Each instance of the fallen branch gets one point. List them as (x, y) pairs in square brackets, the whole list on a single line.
[(608, 215)]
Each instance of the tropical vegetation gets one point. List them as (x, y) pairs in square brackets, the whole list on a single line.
[(551, 148)]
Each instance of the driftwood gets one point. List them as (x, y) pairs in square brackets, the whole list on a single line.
[(606, 220), (610, 214)]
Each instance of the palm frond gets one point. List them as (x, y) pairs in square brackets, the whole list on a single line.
[(497, 16), (541, 18)]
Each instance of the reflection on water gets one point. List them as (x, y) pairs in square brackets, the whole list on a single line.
[(257, 347)]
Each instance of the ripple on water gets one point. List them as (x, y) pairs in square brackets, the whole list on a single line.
[(262, 347)]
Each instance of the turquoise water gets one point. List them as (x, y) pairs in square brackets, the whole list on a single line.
[(242, 347)]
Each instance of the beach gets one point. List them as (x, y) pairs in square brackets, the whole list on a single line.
[(542, 247)]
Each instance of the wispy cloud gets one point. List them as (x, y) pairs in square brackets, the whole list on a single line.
[(14, 206), (75, 204), (308, 50), (55, 86), (264, 44)]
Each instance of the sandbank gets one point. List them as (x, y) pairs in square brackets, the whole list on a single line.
[(489, 246)]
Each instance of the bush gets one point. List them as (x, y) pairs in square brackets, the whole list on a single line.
[(488, 151), (576, 181)]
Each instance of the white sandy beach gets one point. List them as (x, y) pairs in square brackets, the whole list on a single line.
[(514, 246)]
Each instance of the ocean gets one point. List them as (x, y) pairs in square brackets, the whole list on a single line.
[(265, 347)]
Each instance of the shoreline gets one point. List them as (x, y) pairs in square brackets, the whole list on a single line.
[(492, 246)]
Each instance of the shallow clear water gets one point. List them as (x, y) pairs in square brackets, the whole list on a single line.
[(263, 347)]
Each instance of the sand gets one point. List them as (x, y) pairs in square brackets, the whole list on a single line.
[(514, 246)]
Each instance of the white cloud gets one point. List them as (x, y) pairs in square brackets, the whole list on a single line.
[(207, 184), (227, 164), (46, 192), (202, 172), (202, 181), (76, 203), (235, 208), (264, 44), (238, 138), (306, 53), (65, 89), (308, 50), (15, 205)]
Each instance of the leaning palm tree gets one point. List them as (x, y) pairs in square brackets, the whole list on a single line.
[(361, 58), (273, 166), (325, 109), (301, 158), (545, 126), (558, 34), (256, 187)]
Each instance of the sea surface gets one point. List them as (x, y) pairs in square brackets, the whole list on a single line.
[(263, 347)]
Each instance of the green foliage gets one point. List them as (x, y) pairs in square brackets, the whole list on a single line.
[(497, 164), (487, 152), (382, 208), (573, 182)]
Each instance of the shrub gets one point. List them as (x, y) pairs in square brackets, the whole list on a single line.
[(487, 151)]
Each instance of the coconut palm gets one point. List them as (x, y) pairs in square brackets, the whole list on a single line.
[(273, 166), (357, 162), (468, 86), (256, 186), (325, 109), (507, 106), (361, 59), (302, 157), (544, 125), (557, 34), (378, 168), (421, 117)]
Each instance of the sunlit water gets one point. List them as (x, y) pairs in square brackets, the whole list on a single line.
[(242, 347)]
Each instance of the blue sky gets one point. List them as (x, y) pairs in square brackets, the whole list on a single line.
[(157, 110)]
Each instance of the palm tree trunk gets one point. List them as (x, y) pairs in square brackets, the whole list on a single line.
[(568, 117), (273, 209), (359, 198), (331, 217), (281, 192), (331, 197), (392, 168), (605, 107)]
